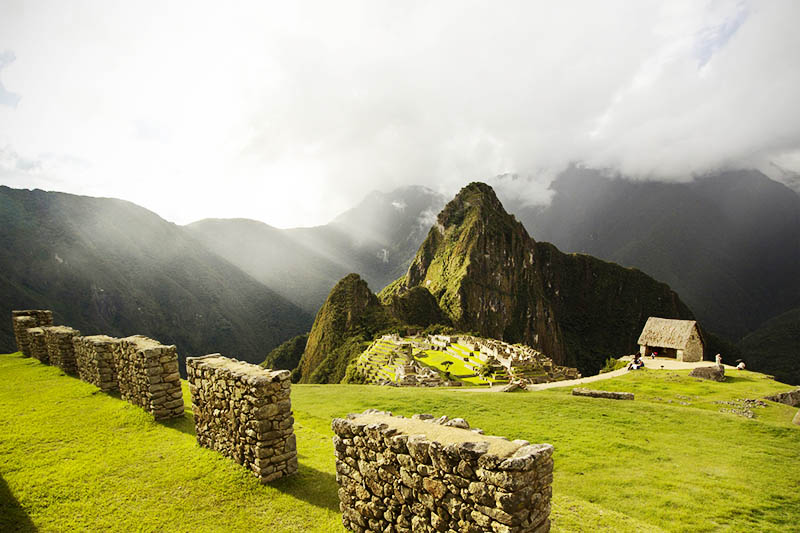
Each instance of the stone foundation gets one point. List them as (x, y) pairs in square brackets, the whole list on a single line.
[(610, 395), (94, 356), (244, 412), (791, 397), (22, 320), (60, 348), (38, 345), (712, 373), (147, 376), (425, 475)]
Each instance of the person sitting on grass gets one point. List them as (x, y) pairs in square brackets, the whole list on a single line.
[(637, 362)]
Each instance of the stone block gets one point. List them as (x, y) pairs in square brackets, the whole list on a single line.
[(610, 395), (60, 347)]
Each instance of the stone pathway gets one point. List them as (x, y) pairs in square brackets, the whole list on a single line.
[(659, 363)]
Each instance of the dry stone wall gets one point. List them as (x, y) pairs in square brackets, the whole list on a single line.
[(38, 345), (609, 395), (244, 412), (22, 320), (423, 475), (94, 356), (147, 376), (60, 349)]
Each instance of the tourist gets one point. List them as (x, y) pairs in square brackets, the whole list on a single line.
[(740, 366), (653, 355), (718, 357), (637, 363)]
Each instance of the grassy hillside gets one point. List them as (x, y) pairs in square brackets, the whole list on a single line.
[(72, 458), (775, 347)]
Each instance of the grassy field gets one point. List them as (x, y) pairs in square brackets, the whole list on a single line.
[(72, 458)]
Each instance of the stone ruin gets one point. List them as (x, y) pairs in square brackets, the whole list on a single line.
[(94, 356), (609, 395), (147, 376), (244, 412), (423, 475), (37, 345), (60, 349), (23, 320)]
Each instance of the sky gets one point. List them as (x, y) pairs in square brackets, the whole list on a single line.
[(291, 112)]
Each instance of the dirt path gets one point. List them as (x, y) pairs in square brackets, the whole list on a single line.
[(659, 363)]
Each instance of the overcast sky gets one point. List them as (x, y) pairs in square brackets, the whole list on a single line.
[(290, 112)]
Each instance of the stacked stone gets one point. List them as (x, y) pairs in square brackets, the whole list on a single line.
[(609, 395), (147, 376), (22, 320), (244, 412), (60, 349), (94, 356), (37, 345), (425, 475)]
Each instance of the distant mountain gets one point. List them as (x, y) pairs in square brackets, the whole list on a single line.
[(728, 244), (377, 238), (109, 266), (775, 347), (489, 276)]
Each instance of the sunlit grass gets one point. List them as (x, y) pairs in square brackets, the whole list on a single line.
[(72, 458)]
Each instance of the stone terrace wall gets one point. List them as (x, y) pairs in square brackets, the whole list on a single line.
[(244, 412), (21, 326), (60, 348), (41, 317), (94, 356), (38, 345), (400, 474), (147, 376)]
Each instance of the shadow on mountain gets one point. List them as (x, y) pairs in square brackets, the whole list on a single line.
[(12, 516), (312, 486)]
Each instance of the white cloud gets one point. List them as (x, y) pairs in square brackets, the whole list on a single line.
[(289, 112)]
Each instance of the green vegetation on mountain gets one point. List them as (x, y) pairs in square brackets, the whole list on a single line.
[(416, 306), (73, 459), (489, 276), (775, 347), (346, 322), (287, 356), (107, 266)]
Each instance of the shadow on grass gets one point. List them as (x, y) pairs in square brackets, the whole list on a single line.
[(313, 486), (184, 424), (12, 516)]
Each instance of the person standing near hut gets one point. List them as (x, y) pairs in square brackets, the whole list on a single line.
[(718, 357)]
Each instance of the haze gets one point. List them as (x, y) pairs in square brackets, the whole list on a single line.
[(290, 112)]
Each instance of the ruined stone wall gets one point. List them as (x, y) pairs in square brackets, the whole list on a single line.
[(37, 345), (22, 320), (424, 475), (94, 356), (244, 412), (60, 349), (147, 376)]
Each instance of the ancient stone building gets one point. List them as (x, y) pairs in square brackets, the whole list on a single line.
[(672, 338), (147, 376), (244, 412), (38, 345), (424, 475), (22, 320), (60, 349), (94, 356)]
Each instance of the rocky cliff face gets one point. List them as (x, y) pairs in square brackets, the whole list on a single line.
[(350, 316), (489, 276)]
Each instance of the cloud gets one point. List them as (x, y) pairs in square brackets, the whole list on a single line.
[(296, 109), (7, 98), (399, 205)]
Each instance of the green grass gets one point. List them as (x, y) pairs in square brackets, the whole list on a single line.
[(72, 458)]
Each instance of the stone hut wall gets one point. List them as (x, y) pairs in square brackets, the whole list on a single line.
[(40, 317), (60, 348), (37, 345), (244, 412), (147, 376), (424, 475), (94, 356)]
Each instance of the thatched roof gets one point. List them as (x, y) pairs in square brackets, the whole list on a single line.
[(667, 332)]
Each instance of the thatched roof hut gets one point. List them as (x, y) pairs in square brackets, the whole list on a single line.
[(672, 338)]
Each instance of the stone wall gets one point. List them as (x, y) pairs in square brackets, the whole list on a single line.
[(37, 345), (791, 397), (244, 412), (40, 317), (609, 395), (425, 475), (60, 349), (147, 376), (94, 356)]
